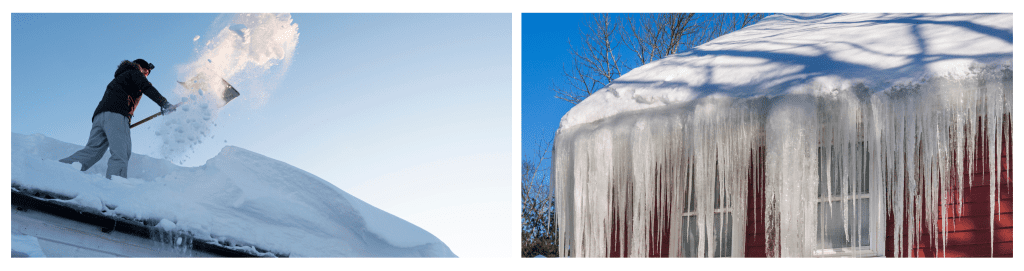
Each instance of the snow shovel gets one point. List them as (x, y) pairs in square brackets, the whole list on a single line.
[(229, 94)]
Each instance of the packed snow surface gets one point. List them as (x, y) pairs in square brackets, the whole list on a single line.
[(838, 120), (785, 54), (238, 197)]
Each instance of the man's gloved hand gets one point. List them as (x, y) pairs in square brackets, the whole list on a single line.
[(167, 109)]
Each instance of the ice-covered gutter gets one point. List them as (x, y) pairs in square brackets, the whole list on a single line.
[(887, 106)]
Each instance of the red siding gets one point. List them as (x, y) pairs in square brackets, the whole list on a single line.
[(970, 233), (755, 242), (658, 247)]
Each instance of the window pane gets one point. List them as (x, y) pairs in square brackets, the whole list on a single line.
[(723, 235), (864, 167), (723, 243), (832, 234), (831, 168), (690, 236)]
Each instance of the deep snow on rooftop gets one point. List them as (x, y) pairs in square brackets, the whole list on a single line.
[(238, 197), (803, 53)]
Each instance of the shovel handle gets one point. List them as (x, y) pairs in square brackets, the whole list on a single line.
[(150, 117), (144, 120)]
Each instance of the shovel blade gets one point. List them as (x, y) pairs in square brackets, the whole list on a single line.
[(227, 94)]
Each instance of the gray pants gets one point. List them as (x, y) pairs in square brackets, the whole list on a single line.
[(109, 129)]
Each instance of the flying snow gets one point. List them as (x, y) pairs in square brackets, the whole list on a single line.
[(253, 50)]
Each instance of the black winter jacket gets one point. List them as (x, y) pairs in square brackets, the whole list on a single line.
[(123, 93)]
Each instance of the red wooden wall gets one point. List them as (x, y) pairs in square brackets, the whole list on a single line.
[(755, 242), (969, 233)]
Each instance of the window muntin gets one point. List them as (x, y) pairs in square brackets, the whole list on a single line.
[(839, 234), (721, 234), (723, 243)]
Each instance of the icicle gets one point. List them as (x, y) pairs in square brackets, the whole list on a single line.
[(680, 173), (792, 159)]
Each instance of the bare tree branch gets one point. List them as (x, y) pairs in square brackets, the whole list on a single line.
[(648, 37), (540, 234), (654, 36), (595, 64)]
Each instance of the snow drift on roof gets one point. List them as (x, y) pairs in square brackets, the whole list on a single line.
[(237, 197), (804, 53)]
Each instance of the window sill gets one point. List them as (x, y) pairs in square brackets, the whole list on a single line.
[(863, 252)]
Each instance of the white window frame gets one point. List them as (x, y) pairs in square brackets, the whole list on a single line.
[(876, 227), (724, 211)]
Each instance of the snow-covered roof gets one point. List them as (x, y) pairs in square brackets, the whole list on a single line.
[(797, 53), (237, 197)]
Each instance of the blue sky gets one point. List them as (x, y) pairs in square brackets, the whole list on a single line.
[(545, 48), (416, 114)]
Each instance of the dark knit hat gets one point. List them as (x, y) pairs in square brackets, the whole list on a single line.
[(146, 65)]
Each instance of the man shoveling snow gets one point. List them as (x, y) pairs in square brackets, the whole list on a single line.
[(110, 121)]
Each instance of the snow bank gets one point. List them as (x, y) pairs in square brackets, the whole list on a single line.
[(886, 107), (238, 197)]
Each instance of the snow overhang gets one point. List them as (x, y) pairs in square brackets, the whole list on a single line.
[(808, 53)]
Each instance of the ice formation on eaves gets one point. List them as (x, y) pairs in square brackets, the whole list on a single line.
[(888, 108)]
